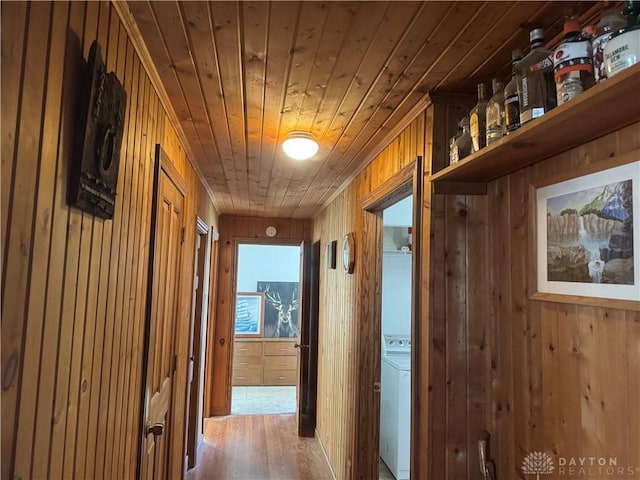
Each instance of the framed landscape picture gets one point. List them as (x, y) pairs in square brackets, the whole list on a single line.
[(249, 318), (588, 235)]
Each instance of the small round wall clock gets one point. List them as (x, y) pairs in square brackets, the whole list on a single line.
[(348, 253), (271, 231)]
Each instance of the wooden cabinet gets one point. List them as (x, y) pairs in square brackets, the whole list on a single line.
[(280, 362), (264, 362), (247, 362)]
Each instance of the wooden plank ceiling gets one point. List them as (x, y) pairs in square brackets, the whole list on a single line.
[(241, 75)]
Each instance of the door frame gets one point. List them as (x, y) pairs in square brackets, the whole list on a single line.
[(162, 165), (236, 242), (211, 323), (197, 338), (307, 385), (408, 181)]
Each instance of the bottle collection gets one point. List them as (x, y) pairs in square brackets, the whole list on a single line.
[(543, 79)]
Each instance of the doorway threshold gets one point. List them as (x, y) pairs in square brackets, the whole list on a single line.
[(263, 400)]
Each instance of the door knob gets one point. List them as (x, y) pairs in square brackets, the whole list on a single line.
[(154, 428), (376, 387), (297, 345)]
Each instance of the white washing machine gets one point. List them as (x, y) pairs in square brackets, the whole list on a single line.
[(395, 405)]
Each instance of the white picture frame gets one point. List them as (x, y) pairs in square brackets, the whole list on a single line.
[(583, 231)]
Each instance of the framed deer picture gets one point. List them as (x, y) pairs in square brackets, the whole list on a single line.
[(249, 321), (281, 308)]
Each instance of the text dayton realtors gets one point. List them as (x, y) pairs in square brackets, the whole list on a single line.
[(594, 466)]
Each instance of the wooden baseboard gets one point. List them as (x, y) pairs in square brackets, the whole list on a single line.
[(324, 453)]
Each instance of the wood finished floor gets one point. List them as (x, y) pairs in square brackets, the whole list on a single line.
[(385, 473), (258, 447)]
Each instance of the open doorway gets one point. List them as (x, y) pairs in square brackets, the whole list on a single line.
[(395, 375), (266, 322)]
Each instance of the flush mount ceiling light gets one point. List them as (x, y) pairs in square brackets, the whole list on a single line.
[(300, 145)]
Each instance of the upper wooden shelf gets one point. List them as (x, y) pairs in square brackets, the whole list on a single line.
[(602, 109)]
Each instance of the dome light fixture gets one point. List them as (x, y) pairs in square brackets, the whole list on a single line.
[(300, 145)]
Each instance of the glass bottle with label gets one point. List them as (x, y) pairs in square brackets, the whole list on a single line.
[(610, 21), (462, 144), (478, 121), (495, 112), (632, 14), (623, 48), (572, 62), (534, 74), (511, 102), (453, 150)]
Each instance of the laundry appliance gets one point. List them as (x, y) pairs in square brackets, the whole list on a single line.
[(395, 404)]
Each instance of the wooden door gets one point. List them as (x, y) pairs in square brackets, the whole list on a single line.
[(162, 317), (308, 339)]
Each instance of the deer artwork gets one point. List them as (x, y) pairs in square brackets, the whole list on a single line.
[(284, 325)]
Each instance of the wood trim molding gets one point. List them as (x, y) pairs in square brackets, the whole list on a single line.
[(169, 168), (366, 402), (459, 188), (420, 268), (409, 180), (128, 22), (630, 305), (290, 242), (324, 454), (394, 189)]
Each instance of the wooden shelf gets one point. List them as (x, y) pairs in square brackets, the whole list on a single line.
[(602, 109)]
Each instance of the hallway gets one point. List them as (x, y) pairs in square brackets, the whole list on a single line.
[(258, 447)]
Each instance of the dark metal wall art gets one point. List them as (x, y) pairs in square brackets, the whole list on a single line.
[(94, 173)]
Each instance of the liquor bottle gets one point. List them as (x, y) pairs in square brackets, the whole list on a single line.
[(478, 121), (632, 13), (462, 144), (453, 149), (511, 102), (610, 21), (623, 48), (534, 74), (495, 112), (572, 62)]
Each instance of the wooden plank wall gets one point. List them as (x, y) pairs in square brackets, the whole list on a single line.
[(346, 366), (234, 229), (458, 319), (74, 286), (538, 376), (564, 378), (534, 374), (459, 333), (337, 325)]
